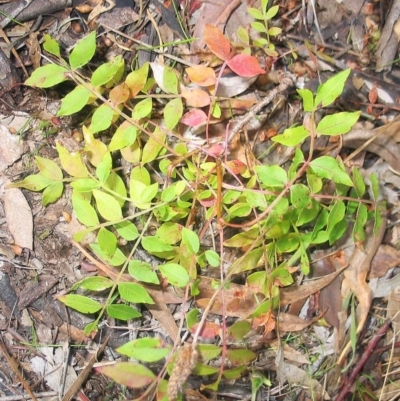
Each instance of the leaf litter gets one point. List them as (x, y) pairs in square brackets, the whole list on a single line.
[(265, 294)]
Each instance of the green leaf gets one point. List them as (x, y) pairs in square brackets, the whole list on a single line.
[(375, 186), (74, 101), (173, 112), (204, 370), (191, 240), (359, 183), (96, 283), (170, 232), (176, 274), (239, 330), (122, 312), (103, 169), (212, 258), (144, 349), (142, 271), (94, 148), (192, 318), (208, 352), (52, 193), (170, 80), (308, 99), (85, 185), (107, 241), (115, 183), (155, 244), (107, 71), (101, 119), (83, 52), (49, 169), (259, 27), (331, 89), (359, 225), (300, 196), (292, 136), (34, 182), (153, 146), (47, 76), (274, 31), (139, 173), (124, 136), (328, 167), (72, 163), (135, 293), (272, 176), (241, 356), (107, 206), (127, 230), (80, 303), (338, 123), (128, 374), (141, 194), (272, 12), (51, 45), (257, 14), (142, 109), (84, 211), (335, 216), (115, 260)]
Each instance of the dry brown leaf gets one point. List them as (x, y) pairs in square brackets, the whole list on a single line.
[(289, 322), (19, 217), (385, 259)]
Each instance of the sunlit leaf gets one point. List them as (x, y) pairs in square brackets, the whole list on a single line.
[(176, 274), (217, 42), (107, 205), (47, 76), (135, 293), (122, 312), (80, 303), (83, 51)]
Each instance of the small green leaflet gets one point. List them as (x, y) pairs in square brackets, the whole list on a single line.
[(142, 271), (96, 283), (292, 136), (84, 211), (122, 312), (72, 162), (101, 119), (144, 349), (191, 240), (338, 123), (51, 45), (173, 112), (107, 206), (134, 293), (74, 101), (107, 71), (271, 176), (308, 99), (328, 167), (176, 274), (331, 89), (52, 193), (47, 76), (49, 169), (80, 303), (107, 241), (83, 52), (34, 182)]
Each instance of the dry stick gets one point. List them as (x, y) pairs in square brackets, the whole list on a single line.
[(364, 358), (286, 82), (14, 366), (18, 9)]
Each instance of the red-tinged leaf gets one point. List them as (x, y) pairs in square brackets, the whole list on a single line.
[(128, 374), (217, 149), (236, 166), (217, 42), (194, 118), (209, 330), (245, 66), (201, 75), (373, 95), (208, 202), (196, 97)]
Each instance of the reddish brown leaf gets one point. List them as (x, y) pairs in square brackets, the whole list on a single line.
[(209, 330), (373, 95), (245, 66), (196, 97), (193, 118), (217, 42), (236, 166)]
